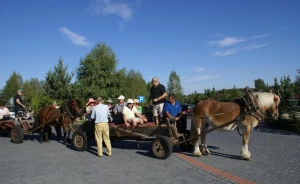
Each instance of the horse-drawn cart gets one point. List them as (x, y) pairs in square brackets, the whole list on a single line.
[(17, 129), (163, 136)]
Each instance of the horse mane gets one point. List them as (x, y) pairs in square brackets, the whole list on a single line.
[(68, 106), (265, 99)]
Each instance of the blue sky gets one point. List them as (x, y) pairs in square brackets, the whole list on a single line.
[(209, 44)]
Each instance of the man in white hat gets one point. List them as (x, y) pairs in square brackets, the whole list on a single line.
[(118, 110)]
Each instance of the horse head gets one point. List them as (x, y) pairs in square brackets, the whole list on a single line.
[(73, 107), (77, 107), (268, 102)]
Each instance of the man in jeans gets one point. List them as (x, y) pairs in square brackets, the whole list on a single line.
[(100, 113)]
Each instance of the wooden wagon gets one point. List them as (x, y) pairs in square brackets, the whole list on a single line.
[(163, 136), (17, 128)]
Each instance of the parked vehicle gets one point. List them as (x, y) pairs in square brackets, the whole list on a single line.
[(12, 111), (187, 108)]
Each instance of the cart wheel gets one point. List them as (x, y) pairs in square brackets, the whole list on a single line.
[(186, 146), (17, 134), (79, 141), (161, 147)]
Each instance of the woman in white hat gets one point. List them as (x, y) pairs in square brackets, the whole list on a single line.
[(89, 108), (130, 113)]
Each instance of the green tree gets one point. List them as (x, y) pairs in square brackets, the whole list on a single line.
[(286, 87), (276, 86), (174, 86), (56, 83), (135, 85), (234, 93), (260, 85), (97, 74), (297, 83), (32, 88), (11, 87)]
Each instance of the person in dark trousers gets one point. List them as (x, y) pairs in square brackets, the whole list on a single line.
[(19, 104), (157, 94)]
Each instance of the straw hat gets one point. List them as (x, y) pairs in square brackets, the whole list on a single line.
[(109, 101), (136, 101), (121, 97), (129, 101)]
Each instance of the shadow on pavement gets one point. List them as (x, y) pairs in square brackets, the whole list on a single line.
[(267, 129)]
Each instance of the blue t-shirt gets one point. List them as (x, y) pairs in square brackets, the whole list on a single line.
[(172, 109)]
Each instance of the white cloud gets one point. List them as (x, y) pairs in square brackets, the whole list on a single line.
[(198, 69), (254, 46), (75, 38), (107, 7), (202, 78), (228, 41), (225, 53), (261, 36)]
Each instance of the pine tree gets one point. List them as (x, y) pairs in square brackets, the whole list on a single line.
[(97, 74), (174, 86), (56, 82)]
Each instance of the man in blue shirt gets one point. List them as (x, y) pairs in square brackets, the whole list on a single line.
[(100, 113), (172, 109)]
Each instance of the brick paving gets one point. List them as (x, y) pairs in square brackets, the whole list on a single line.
[(275, 160)]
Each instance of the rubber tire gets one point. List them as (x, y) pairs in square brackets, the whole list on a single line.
[(161, 147), (17, 134), (79, 141)]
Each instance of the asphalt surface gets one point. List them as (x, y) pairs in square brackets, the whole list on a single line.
[(275, 155)]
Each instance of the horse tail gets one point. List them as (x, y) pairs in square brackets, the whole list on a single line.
[(36, 121), (193, 123)]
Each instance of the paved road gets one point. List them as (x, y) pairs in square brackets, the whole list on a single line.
[(275, 160)]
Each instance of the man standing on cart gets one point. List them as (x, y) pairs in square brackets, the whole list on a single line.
[(157, 94), (19, 104)]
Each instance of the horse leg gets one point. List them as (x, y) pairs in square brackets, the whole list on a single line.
[(41, 136), (246, 136), (58, 132), (65, 133), (195, 130), (46, 134), (204, 150)]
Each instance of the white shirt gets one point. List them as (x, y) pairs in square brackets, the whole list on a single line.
[(4, 112), (129, 113), (100, 113)]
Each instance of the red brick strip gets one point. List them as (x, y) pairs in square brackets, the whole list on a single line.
[(212, 170)]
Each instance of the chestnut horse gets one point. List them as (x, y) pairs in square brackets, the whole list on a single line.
[(218, 115), (51, 116), (69, 110)]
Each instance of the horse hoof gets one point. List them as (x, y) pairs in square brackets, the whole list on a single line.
[(197, 155), (248, 159)]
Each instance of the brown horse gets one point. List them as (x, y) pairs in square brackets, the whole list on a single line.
[(47, 117), (69, 110), (51, 116), (227, 116)]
